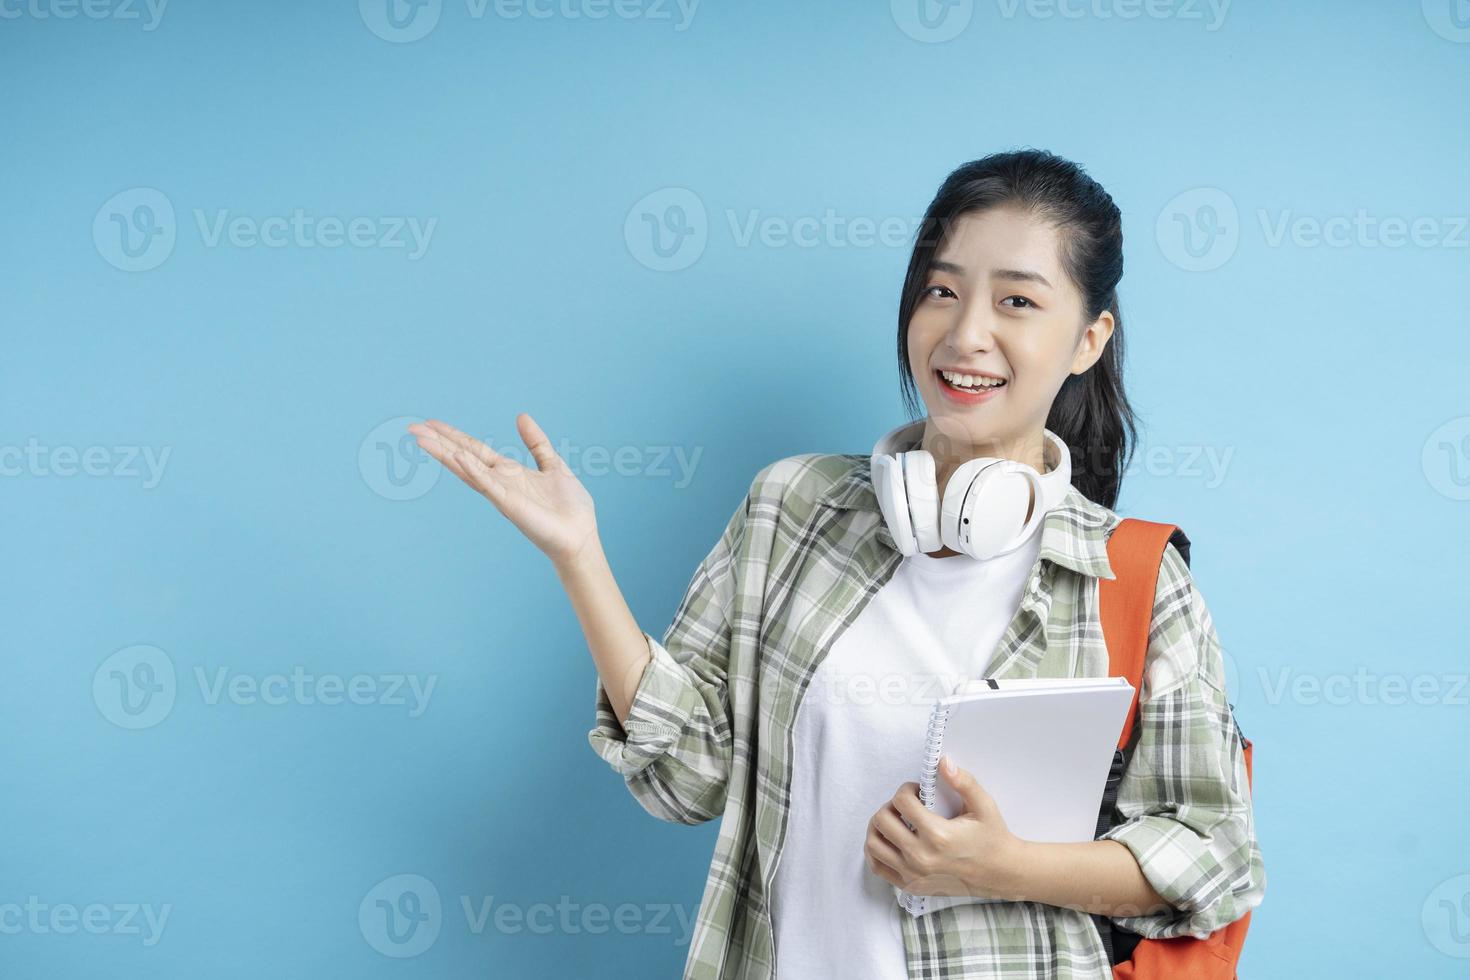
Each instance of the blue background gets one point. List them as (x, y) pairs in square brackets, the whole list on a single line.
[(1329, 546)]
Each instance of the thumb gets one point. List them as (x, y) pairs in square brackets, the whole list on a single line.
[(536, 441), (975, 798)]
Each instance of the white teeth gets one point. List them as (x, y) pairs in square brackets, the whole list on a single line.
[(970, 380)]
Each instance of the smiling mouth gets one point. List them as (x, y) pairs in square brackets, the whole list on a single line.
[(980, 386)]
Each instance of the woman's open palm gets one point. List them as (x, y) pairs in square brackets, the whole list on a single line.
[(548, 504)]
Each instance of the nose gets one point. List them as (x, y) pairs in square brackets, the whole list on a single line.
[(973, 329)]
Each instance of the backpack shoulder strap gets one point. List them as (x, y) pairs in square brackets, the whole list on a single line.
[(1126, 601)]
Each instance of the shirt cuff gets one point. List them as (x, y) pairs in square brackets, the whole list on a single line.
[(1176, 863), (662, 705)]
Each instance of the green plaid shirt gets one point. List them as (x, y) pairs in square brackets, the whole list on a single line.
[(709, 732)]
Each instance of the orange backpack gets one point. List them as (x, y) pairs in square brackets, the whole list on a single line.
[(1135, 551)]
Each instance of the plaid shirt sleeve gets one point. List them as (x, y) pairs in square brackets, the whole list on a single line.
[(1184, 800), (675, 753)]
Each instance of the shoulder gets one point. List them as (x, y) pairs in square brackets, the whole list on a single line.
[(1182, 643), (1179, 637), (802, 481)]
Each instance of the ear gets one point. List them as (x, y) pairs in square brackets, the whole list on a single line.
[(1092, 342)]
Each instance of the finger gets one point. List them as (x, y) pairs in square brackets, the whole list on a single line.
[(888, 823), (906, 801), (879, 849), (481, 477), (435, 445), (467, 442), (975, 797), (536, 441), (885, 872), (443, 452)]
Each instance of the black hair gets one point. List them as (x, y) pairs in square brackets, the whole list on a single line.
[(1091, 413)]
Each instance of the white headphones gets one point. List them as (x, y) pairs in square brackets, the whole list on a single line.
[(985, 501)]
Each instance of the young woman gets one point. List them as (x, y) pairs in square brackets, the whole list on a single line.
[(802, 660)]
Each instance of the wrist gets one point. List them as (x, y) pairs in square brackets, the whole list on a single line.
[(590, 558), (1015, 860)]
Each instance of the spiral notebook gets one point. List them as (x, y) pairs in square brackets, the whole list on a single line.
[(1041, 747)]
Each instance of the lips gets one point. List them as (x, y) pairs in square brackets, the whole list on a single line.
[(967, 396), (979, 388)]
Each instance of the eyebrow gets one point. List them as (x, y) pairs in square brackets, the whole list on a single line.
[(1007, 275)]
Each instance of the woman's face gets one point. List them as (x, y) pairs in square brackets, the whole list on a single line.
[(998, 304)]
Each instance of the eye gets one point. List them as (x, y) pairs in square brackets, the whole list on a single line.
[(1022, 299), (943, 291)]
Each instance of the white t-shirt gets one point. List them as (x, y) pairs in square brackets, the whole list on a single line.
[(862, 718)]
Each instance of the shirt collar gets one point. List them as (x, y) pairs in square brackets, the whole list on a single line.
[(1074, 534)]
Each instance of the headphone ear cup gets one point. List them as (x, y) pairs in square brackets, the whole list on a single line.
[(888, 487), (923, 492), (985, 507), (956, 494)]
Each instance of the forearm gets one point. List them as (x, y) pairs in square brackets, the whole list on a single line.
[(1098, 877), (613, 636)]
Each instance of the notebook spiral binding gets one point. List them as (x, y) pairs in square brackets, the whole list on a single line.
[(933, 744), (933, 749)]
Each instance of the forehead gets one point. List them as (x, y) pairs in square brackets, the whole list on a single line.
[(1002, 238)]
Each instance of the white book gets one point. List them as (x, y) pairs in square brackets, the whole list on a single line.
[(1041, 747)]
